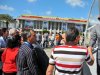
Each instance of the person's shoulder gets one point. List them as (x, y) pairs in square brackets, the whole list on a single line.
[(23, 46), (80, 47), (16, 48), (69, 46), (97, 25), (1, 38), (60, 47), (63, 46)]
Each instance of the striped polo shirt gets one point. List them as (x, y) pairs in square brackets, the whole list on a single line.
[(68, 60)]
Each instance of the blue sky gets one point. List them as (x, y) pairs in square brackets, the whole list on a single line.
[(59, 8)]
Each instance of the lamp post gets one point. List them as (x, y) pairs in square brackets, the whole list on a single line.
[(85, 33), (99, 6)]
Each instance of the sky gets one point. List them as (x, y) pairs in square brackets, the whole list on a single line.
[(57, 8)]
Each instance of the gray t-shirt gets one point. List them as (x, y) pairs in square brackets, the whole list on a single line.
[(95, 37)]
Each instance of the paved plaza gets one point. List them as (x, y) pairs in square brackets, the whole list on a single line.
[(88, 70)]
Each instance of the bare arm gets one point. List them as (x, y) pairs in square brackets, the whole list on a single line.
[(91, 56), (50, 70), (2, 49), (92, 43)]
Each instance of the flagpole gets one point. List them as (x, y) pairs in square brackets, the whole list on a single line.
[(85, 33), (99, 6)]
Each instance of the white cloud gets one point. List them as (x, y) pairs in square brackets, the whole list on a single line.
[(28, 11), (31, 0), (48, 12), (74, 3), (82, 18), (5, 7)]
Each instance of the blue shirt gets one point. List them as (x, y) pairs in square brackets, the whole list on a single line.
[(3, 43)]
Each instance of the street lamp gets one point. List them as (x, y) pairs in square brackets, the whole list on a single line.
[(85, 33)]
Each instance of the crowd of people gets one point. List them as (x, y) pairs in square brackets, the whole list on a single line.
[(52, 39), (18, 56), (49, 39)]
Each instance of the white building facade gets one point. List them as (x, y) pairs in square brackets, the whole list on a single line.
[(38, 23)]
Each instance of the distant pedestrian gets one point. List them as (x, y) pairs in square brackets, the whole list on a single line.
[(45, 40), (52, 39), (39, 37), (58, 38)]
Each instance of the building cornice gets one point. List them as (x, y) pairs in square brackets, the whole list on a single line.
[(57, 19)]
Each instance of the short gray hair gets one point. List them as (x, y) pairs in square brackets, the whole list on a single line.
[(12, 31), (28, 34)]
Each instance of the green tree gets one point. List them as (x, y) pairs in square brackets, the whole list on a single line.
[(6, 18), (45, 31)]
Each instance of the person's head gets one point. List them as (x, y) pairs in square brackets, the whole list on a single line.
[(10, 43), (72, 35), (17, 40), (17, 32), (4, 32), (99, 18), (12, 32), (23, 37), (31, 37), (31, 30), (0, 32), (14, 41)]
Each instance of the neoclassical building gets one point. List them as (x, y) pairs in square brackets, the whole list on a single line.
[(38, 23)]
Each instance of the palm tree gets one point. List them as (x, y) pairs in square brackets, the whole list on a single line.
[(7, 18)]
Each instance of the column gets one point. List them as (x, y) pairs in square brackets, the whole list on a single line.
[(58, 26), (61, 26), (33, 25), (45, 25), (66, 26), (50, 25)]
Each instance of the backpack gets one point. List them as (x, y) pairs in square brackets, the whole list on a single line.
[(42, 60)]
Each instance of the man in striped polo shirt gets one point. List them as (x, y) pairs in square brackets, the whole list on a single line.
[(68, 59)]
